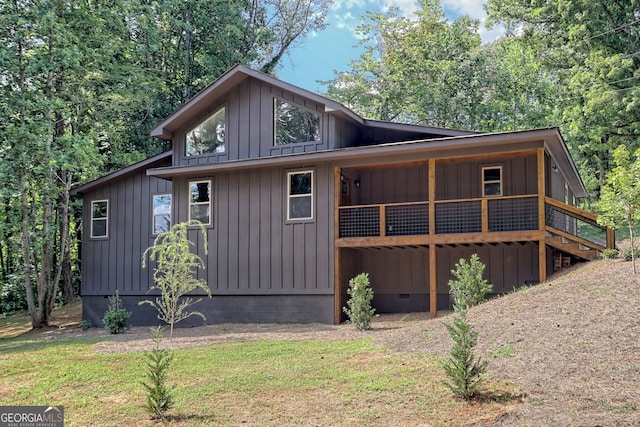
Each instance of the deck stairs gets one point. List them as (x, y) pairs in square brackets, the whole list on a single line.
[(574, 234), (567, 251)]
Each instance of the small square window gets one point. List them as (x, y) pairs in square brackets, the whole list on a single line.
[(99, 218), (300, 195), (161, 213), (492, 181), (200, 201)]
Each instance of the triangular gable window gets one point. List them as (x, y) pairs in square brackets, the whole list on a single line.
[(208, 137)]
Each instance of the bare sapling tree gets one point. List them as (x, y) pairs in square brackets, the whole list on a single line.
[(175, 273)]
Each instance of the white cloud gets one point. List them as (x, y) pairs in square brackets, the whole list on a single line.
[(472, 8), (475, 10), (345, 14), (406, 8)]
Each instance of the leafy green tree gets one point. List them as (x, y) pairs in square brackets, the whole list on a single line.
[(591, 50), (433, 71), (174, 274), (412, 71), (620, 196), (47, 76)]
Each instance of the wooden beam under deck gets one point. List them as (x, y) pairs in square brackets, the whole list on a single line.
[(442, 239)]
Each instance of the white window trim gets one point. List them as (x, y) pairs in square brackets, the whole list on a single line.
[(290, 196), (500, 181), (106, 227), (153, 215), (208, 181)]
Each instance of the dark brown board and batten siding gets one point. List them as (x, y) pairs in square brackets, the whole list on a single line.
[(249, 133), (462, 180), (113, 263), (253, 249)]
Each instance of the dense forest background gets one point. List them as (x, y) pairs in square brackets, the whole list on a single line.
[(82, 83)]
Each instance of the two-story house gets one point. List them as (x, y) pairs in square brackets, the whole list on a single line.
[(298, 194)]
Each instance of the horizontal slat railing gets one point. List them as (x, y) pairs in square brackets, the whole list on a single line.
[(577, 225)]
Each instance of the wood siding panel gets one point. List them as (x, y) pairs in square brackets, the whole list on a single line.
[(253, 249), (249, 133), (391, 185), (506, 266), (114, 263), (462, 180)]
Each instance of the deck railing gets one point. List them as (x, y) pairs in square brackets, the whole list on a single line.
[(577, 225), (511, 213)]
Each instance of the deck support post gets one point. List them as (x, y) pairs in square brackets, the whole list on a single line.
[(337, 270), (542, 244), (433, 271), (433, 282)]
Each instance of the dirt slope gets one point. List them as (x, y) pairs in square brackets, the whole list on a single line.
[(572, 344)]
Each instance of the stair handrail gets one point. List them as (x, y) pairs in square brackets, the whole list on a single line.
[(585, 216)]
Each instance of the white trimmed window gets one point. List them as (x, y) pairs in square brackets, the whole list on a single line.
[(294, 125), (300, 195), (161, 213), (99, 218), (208, 136), (491, 181), (200, 201)]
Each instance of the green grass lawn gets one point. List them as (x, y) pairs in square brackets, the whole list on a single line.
[(270, 383)]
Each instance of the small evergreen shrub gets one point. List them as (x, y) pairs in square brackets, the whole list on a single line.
[(84, 325), (465, 371), (468, 288), (611, 253), (159, 398), (358, 307), (116, 317), (629, 253)]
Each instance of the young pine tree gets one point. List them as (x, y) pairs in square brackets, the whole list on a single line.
[(464, 370), (159, 398)]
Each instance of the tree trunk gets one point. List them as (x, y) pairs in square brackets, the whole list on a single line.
[(63, 210), (26, 253), (633, 246)]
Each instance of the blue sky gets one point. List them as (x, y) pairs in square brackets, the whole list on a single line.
[(332, 49)]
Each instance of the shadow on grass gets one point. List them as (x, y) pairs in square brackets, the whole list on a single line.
[(30, 343), (499, 396), (198, 419)]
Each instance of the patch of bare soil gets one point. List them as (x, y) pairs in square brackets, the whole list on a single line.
[(572, 344)]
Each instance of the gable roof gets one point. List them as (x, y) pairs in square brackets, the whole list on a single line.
[(146, 164), (202, 101)]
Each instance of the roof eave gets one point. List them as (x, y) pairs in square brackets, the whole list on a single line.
[(144, 164), (478, 142)]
